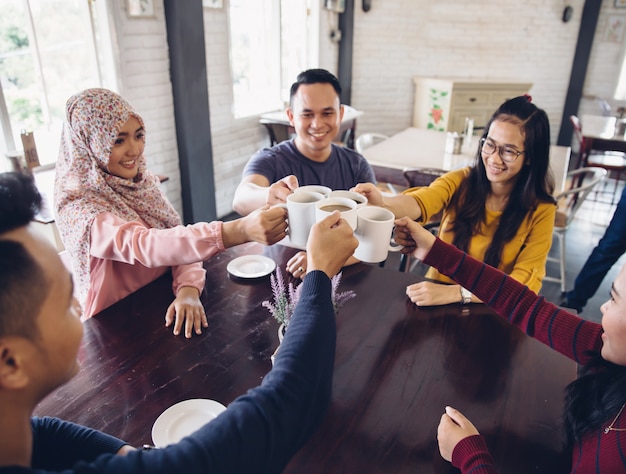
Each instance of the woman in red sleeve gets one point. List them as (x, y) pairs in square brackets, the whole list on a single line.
[(595, 419)]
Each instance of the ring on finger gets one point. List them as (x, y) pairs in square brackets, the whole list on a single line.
[(301, 270)]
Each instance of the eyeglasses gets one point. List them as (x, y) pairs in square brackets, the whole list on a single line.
[(507, 154)]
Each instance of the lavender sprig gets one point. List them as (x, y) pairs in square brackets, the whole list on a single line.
[(286, 299)]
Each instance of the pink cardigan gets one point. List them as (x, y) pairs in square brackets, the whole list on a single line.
[(126, 256)]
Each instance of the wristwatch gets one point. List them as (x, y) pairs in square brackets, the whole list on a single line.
[(466, 296)]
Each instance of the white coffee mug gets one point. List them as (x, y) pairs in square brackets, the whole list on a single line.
[(347, 207), (356, 197), (300, 216), (314, 188), (373, 231)]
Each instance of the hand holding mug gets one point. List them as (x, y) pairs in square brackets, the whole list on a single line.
[(402, 236), (300, 215), (346, 206), (279, 191), (371, 192), (422, 238), (330, 244), (266, 225)]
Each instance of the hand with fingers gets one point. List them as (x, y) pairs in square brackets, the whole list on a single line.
[(330, 243), (279, 190), (297, 265), (452, 428), (187, 310)]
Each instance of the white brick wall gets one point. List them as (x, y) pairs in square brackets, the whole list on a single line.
[(491, 39), (395, 40)]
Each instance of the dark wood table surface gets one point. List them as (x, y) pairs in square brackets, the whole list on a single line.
[(396, 368)]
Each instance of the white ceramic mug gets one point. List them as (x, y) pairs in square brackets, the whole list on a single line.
[(313, 188), (300, 215), (347, 207), (356, 197), (373, 231)]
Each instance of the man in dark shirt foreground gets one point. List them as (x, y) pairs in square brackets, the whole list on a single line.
[(40, 333)]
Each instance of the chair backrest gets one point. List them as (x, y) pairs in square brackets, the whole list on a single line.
[(422, 176), (583, 181), (366, 140)]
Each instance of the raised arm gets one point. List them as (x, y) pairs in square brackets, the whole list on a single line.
[(113, 238), (566, 333)]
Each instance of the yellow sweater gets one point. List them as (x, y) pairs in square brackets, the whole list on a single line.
[(524, 257)]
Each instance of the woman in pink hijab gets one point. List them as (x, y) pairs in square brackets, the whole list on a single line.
[(119, 229)]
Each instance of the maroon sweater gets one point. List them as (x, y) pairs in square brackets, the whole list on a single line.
[(562, 331)]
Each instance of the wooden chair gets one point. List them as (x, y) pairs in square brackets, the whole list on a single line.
[(612, 161), (568, 204)]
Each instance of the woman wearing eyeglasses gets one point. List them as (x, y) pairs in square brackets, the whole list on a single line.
[(500, 210)]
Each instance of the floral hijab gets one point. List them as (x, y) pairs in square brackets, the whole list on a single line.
[(84, 188)]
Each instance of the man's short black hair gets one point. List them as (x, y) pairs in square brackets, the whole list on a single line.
[(315, 76), (23, 284)]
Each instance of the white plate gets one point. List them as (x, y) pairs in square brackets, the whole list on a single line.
[(183, 419), (251, 266)]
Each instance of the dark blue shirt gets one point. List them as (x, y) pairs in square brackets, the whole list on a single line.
[(344, 169)]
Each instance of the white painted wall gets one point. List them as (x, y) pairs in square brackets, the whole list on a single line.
[(394, 41)]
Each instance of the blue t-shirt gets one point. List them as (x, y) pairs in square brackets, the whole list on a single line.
[(344, 169)]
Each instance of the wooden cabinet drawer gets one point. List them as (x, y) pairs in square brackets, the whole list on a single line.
[(477, 99)]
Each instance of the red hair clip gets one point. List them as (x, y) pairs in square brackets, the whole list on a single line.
[(528, 97)]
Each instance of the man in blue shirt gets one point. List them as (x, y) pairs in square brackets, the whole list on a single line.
[(315, 112)]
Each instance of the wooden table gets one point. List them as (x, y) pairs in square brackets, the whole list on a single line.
[(396, 367), (416, 147), (599, 134), (279, 128)]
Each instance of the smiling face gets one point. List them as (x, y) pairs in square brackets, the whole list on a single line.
[(127, 150), (614, 322), (504, 134), (316, 115)]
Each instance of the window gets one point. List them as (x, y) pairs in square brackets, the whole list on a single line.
[(47, 53), (270, 43)]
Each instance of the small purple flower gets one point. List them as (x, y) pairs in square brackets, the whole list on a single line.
[(286, 299)]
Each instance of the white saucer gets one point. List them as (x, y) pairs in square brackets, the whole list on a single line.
[(251, 266), (183, 419)]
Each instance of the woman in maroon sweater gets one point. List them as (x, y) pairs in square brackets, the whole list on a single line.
[(594, 413)]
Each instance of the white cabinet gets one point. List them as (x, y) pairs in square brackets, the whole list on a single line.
[(443, 104)]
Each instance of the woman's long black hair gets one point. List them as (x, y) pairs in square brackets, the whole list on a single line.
[(534, 184), (594, 398)]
